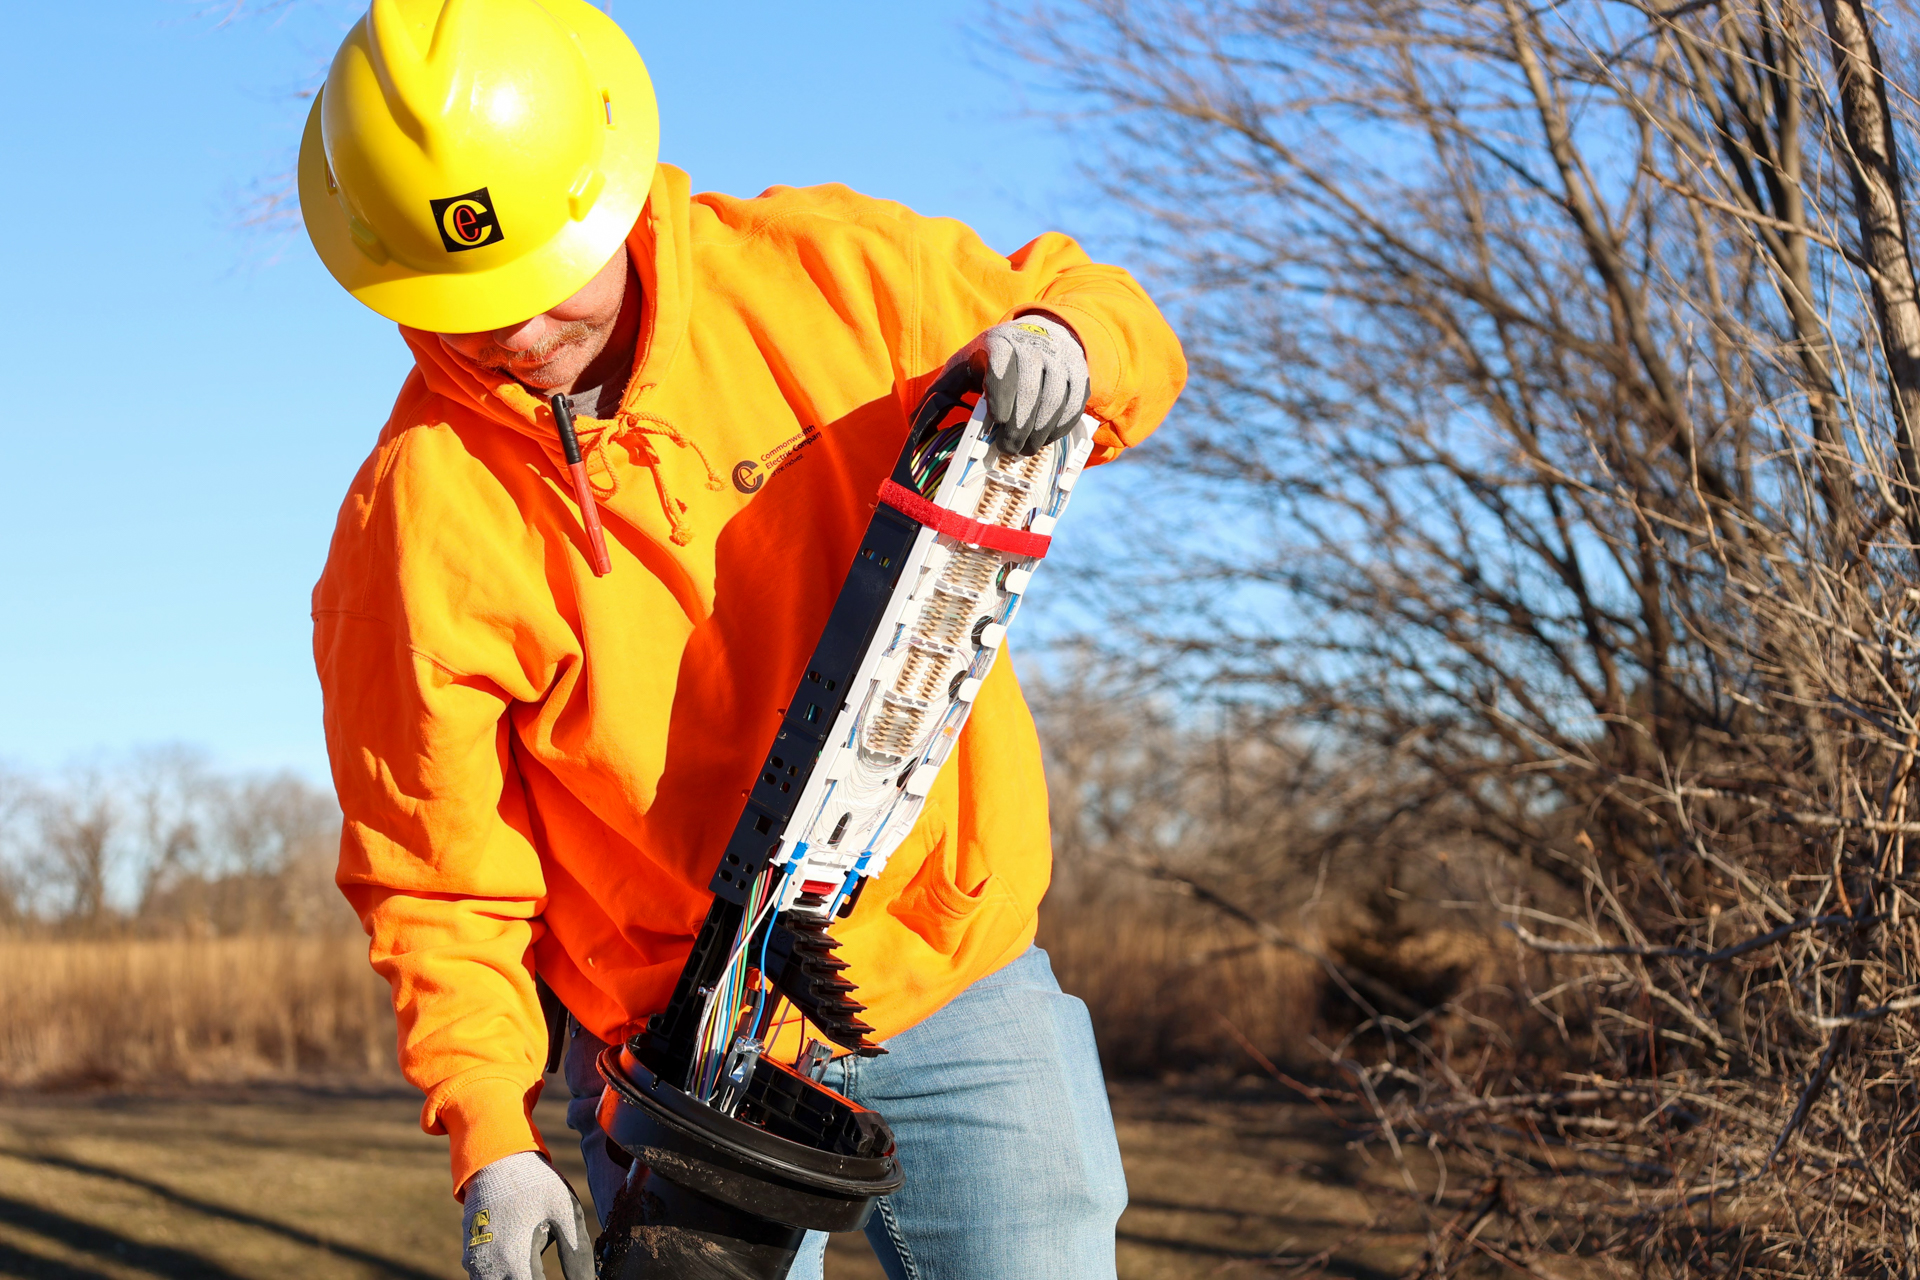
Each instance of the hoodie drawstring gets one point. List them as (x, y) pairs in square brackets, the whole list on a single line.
[(631, 427), (632, 422)]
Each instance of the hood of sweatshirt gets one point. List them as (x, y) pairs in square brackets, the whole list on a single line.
[(632, 441)]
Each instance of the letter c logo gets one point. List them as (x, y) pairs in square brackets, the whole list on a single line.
[(465, 221)]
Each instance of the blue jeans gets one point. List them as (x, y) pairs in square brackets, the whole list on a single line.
[(1000, 1113)]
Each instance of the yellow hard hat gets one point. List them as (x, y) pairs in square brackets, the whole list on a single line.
[(471, 163)]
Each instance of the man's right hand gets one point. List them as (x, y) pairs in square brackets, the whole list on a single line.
[(516, 1206)]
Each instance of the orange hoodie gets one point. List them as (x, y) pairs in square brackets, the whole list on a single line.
[(539, 768)]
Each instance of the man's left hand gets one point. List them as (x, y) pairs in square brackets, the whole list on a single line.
[(1035, 376), (515, 1207)]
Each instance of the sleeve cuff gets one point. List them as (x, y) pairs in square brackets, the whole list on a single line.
[(484, 1120)]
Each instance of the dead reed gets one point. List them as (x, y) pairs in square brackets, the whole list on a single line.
[(1168, 986), (1173, 986), (133, 1010)]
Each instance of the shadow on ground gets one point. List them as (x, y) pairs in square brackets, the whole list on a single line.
[(265, 1182)]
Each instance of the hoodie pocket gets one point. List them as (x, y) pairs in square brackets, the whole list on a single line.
[(939, 904)]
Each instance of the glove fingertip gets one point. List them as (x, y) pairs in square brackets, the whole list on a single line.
[(1000, 355), (541, 1235), (576, 1260), (1069, 417), (1001, 400), (1031, 417)]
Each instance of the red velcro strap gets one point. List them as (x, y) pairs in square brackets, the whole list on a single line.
[(1015, 542)]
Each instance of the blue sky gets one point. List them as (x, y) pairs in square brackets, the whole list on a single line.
[(198, 394)]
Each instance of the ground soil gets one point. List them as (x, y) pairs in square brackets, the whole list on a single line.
[(320, 1181)]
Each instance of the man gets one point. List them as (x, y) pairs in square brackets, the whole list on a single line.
[(539, 764)]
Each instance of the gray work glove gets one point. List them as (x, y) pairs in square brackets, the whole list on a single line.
[(516, 1206), (1036, 380)]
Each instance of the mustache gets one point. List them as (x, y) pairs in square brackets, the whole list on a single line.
[(502, 359)]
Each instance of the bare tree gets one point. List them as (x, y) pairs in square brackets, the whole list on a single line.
[(1551, 436), (161, 842), (17, 794), (166, 789), (238, 854), (75, 854)]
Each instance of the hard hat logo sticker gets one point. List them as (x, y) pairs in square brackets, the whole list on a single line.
[(467, 221)]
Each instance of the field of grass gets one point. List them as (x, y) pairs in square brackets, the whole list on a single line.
[(228, 1107), (1166, 990), (189, 1009), (336, 1182)]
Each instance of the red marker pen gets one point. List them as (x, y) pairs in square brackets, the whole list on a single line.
[(589, 509)]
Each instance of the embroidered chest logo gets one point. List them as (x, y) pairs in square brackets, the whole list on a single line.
[(468, 221), (750, 473)]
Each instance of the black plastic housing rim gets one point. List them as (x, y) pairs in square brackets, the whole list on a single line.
[(735, 1162)]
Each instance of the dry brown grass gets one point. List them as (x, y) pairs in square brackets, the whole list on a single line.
[(1168, 985), (125, 1011), (298, 1182), (1173, 986)]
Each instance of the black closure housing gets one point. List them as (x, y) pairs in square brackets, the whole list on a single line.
[(711, 1196)]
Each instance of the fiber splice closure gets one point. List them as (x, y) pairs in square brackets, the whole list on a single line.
[(735, 1154)]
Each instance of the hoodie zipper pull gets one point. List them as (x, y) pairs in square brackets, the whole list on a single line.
[(589, 509)]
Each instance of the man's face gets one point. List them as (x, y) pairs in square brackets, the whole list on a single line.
[(551, 351)]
